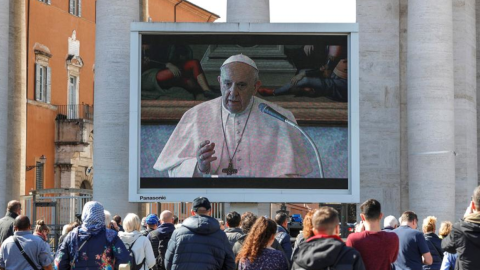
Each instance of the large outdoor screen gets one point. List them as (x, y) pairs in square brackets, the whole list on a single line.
[(199, 127)]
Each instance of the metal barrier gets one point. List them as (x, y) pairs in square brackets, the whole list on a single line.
[(57, 207)]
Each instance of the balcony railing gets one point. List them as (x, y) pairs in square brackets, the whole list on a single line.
[(75, 111)]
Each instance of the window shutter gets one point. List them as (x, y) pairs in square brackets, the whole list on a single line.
[(39, 175), (49, 84), (72, 2), (37, 81), (79, 8)]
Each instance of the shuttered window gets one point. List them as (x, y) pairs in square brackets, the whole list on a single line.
[(46, 1), (43, 85), (39, 176), (76, 7)]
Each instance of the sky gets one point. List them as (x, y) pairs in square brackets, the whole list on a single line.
[(300, 11)]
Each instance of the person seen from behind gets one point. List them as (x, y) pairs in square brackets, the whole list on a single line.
[(307, 231), (248, 219), (449, 259), (257, 253), (283, 236), (464, 239), (24, 250), (91, 245), (390, 223), (152, 224), (118, 220), (233, 230), (159, 238), (379, 249), (199, 244), (41, 230), (434, 243), (414, 251), (137, 244), (66, 229), (326, 250), (14, 208)]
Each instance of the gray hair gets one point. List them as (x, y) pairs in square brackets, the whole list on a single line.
[(390, 221)]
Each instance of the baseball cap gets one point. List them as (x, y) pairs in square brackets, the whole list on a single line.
[(152, 219), (201, 202)]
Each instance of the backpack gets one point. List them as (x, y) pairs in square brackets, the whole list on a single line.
[(162, 249), (133, 264)]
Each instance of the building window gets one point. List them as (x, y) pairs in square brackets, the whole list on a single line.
[(42, 83), (39, 175), (45, 1), (76, 7), (72, 98)]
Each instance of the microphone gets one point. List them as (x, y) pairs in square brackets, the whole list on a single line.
[(270, 111)]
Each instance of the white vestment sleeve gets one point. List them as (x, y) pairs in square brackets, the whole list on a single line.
[(185, 169)]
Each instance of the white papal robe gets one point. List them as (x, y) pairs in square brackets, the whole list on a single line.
[(269, 148)]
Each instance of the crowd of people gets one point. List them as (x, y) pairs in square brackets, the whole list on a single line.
[(247, 242)]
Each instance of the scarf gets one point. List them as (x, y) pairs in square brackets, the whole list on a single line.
[(93, 218), (93, 223)]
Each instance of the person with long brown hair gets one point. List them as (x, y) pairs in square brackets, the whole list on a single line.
[(307, 231), (257, 253)]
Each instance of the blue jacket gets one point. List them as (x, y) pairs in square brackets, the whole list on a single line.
[(283, 238), (199, 244), (449, 261), (101, 251)]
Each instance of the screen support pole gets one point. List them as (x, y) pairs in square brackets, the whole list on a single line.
[(317, 154)]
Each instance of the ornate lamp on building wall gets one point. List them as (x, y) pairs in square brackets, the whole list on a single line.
[(40, 163)]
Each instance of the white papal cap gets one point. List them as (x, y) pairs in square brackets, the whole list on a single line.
[(240, 58)]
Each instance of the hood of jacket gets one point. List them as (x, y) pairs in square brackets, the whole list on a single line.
[(129, 237), (166, 228), (318, 253), (200, 224), (470, 227)]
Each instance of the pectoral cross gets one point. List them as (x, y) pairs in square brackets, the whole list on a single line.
[(230, 170)]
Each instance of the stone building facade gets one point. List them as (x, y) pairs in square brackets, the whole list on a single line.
[(418, 101), (48, 65)]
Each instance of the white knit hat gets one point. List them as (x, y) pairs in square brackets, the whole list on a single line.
[(240, 58)]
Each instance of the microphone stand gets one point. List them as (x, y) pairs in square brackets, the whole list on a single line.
[(317, 154)]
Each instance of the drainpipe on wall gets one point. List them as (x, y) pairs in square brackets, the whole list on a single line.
[(175, 10)]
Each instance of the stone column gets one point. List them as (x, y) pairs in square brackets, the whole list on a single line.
[(380, 103), (477, 8), (430, 97), (144, 15), (17, 102), (404, 199), (465, 64), (248, 11), (4, 27), (112, 86)]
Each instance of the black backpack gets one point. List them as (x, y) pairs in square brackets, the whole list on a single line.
[(133, 264), (162, 249)]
